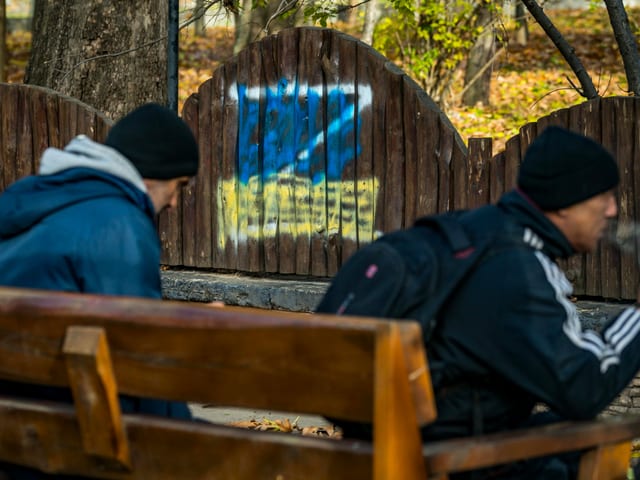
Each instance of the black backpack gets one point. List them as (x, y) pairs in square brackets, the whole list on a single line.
[(412, 273)]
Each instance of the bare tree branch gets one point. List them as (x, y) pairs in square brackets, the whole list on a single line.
[(588, 89), (626, 43)]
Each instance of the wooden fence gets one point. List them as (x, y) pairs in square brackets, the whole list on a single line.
[(313, 144), (34, 118)]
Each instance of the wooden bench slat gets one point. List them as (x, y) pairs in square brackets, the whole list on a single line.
[(95, 393), (187, 450), (478, 452)]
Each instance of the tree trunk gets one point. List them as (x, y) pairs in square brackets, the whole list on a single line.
[(626, 43), (477, 78), (252, 24), (198, 14), (522, 29), (588, 89), (111, 55), (372, 15), (3, 41)]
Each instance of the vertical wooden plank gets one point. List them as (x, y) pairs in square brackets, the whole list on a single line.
[(479, 157), (592, 128), (95, 394), (367, 185), (213, 139), (346, 88), (203, 198), (625, 153), (53, 121), (187, 220), (396, 437), (302, 169), (254, 193), (444, 154), (395, 163), (334, 150), (496, 177), (527, 134), (287, 54), (606, 461), (24, 153), (228, 201), (10, 138), (460, 178), (409, 125), (576, 266), (246, 155), (38, 107), (427, 128), (270, 143), (512, 159), (380, 92), (635, 187), (609, 256), (317, 51)]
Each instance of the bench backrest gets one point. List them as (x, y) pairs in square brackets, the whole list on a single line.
[(350, 368)]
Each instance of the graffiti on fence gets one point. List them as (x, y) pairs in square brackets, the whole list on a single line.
[(294, 143)]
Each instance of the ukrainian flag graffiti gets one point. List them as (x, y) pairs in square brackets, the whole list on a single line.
[(294, 143)]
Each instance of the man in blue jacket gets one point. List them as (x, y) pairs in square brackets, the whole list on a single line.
[(86, 221)]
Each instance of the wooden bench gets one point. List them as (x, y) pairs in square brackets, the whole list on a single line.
[(350, 368)]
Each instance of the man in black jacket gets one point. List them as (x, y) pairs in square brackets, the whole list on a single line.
[(511, 337)]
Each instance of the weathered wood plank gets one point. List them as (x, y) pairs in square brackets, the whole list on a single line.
[(592, 128), (202, 227), (394, 152), (444, 156), (187, 220), (349, 124), (480, 153), (314, 42), (496, 177), (228, 174), (216, 105), (24, 154), (95, 393), (609, 256), (253, 178), (10, 138), (427, 171), (625, 110), (270, 140), (287, 55)]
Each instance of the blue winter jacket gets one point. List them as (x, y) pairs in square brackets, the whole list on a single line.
[(83, 224)]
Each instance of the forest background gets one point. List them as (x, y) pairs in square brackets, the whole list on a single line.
[(527, 81)]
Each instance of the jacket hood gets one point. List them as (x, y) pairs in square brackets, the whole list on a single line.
[(555, 244), (82, 152), (84, 170)]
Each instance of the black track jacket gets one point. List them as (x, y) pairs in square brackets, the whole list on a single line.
[(510, 338)]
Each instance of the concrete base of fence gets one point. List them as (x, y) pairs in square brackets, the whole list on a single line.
[(302, 295)]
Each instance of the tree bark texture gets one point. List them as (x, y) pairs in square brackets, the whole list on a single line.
[(477, 77), (588, 89), (372, 15), (3, 41), (522, 28), (626, 43), (254, 23), (110, 54)]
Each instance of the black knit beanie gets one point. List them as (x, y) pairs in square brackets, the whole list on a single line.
[(562, 168), (158, 143)]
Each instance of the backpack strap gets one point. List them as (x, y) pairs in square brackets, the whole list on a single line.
[(452, 230)]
